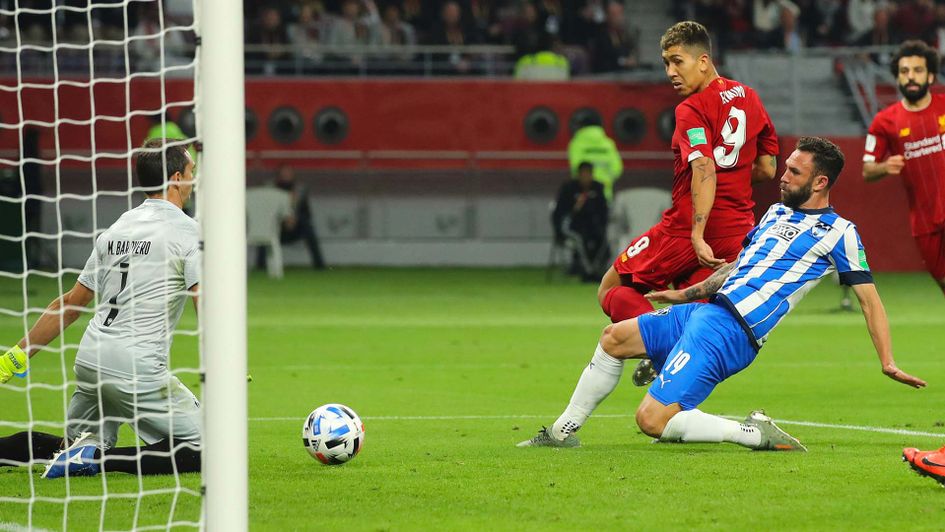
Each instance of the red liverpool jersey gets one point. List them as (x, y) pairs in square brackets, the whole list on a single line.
[(727, 123), (918, 136)]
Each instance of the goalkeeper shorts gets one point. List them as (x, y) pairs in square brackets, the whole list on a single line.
[(100, 407)]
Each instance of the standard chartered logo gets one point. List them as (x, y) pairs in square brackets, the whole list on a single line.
[(926, 146)]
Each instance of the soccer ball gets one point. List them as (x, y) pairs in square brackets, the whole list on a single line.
[(333, 434)]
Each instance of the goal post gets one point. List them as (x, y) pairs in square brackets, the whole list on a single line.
[(221, 197)]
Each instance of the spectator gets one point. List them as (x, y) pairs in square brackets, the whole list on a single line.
[(530, 33), (938, 33), (147, 52), (453, 32), (419, 14), (791, 39), (615, 46), (354, 29), (914, 19), (580, 218), (486, 20), (766, 19), (881, 33), (393, 30), (591, 144), (270, 39), (300, 225), (822, 21), (861, 19), (307, 32)]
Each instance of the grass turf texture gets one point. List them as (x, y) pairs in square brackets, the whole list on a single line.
[(504, 343)]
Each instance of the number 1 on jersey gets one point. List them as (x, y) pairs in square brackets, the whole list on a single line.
[(113, 302)]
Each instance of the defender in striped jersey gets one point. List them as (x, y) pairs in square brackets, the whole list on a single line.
[(696, 346)]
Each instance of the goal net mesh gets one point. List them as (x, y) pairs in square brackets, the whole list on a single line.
[(82, 84)]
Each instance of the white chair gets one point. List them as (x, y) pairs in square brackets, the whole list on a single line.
[(266, 209), (634, 211)]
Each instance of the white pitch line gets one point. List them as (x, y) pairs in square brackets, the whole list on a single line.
[(862, 428), (14, 527)]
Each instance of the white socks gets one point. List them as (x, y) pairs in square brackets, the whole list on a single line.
[(600, 377), (695, 426)]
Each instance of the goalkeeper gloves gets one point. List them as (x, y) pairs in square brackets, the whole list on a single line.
[(14, 362)]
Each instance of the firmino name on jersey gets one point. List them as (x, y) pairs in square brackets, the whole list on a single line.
[(926, 146), (129, 247), (735, 92)]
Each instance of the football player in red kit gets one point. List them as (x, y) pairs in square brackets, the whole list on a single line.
[(906, 139), (723, 143)]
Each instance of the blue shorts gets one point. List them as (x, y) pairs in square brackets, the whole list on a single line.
[(693, 347)]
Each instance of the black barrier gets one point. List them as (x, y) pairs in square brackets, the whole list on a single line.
[(541, 125), (251, 123), (584, 116), (285, 125), (629, 125), (666, 124), (330, 125)]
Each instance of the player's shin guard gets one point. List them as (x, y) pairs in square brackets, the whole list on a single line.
[(162, 458), (695, 426), (599, 378), (15, 449), (625, 302)]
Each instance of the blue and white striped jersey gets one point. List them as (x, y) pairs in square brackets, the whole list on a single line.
[(785, 256)]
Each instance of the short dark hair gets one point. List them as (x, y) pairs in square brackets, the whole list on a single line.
[(687, 33), (584, 164), (916, 48), (157, 161), (828, 159)]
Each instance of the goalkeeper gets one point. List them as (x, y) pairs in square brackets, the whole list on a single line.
[(143, 268)]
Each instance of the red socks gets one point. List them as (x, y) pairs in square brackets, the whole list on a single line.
[(624, 302)]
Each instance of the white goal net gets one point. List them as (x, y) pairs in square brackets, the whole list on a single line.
[(83, 83)]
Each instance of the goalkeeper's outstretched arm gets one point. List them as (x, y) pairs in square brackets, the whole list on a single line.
[(49, 326), (59, 315)]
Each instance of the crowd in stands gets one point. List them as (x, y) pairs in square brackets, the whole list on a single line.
[(795, 24), (592, 36), (595, 36)]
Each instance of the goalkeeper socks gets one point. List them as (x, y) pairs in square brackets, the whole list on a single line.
[(625, 302), (600, 377), (15, 449), (154, 459), (695, 426)]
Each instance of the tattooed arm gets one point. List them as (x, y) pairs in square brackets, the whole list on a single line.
[(763, 169), (703, 197), (695, 292)]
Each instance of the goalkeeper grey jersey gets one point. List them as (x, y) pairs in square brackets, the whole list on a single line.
[(139, 270)]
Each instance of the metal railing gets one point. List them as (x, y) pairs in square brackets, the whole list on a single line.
[(364, 60)]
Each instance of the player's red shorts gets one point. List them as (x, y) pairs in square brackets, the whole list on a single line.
[(657, 260), (932, 249)]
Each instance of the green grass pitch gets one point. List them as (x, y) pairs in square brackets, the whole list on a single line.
[(449, 368)]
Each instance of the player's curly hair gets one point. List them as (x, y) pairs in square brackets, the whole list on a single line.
[(828, 159), (915, 48), (687, 33), (157, 161)]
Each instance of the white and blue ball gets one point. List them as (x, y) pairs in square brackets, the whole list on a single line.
[(333, 434)]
